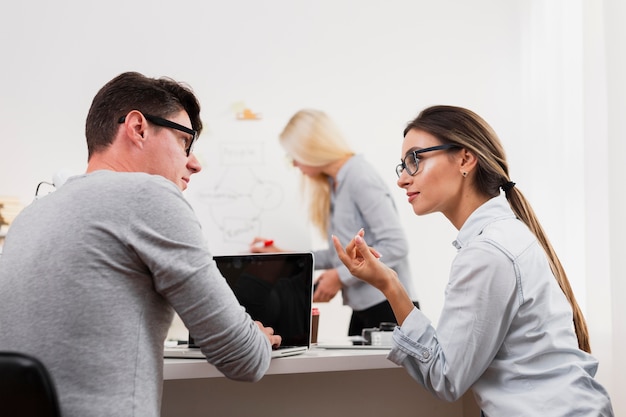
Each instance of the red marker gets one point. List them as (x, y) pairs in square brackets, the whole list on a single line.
[(268, 243)]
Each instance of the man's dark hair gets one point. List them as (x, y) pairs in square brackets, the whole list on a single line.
[(133, 91)]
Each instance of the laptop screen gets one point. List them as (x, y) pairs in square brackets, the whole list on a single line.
[(275, 289)]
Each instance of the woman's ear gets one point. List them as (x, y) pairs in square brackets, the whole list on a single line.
[(467, 161)]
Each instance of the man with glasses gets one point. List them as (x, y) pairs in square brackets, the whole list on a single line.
[(91, 274)]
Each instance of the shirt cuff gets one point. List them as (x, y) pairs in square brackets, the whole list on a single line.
[(407, 339)]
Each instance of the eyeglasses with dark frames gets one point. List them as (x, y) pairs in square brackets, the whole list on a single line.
[(410, 163), (159, 121)]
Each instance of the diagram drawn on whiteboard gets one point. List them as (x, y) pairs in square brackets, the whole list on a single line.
[(244, 191), (237, 201)]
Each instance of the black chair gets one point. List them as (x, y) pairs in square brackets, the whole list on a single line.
[(26, 388)]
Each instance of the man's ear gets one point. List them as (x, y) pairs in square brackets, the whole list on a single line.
[(135, 125)]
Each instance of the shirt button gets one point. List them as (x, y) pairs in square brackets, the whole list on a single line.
[(425, 354)]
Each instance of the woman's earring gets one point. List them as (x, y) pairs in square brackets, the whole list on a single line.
[(464, 173)]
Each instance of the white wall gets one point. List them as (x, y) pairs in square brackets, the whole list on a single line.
[(372, 65), (614, 331)]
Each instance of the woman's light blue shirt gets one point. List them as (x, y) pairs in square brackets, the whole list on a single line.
[(505, 331)]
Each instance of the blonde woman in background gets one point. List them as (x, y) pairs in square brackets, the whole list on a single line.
[(345, 193)]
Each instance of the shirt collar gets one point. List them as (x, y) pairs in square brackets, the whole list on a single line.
[(497, 208)]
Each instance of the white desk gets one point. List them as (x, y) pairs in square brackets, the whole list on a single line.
[(320, 382)]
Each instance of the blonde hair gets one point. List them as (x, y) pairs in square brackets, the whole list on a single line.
[(312, 138), (463, 127)]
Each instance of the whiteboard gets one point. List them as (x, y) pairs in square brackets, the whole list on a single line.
[(247, 188)]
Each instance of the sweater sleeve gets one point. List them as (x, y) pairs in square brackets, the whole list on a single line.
[(167, 236)]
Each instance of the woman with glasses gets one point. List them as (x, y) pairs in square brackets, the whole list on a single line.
[(344, 193), (510, 329)]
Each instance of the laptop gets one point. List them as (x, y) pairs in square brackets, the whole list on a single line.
[(275, 289)]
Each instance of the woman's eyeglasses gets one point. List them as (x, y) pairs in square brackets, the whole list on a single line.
[(410, 163)]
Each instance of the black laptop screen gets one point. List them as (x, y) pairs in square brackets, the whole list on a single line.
[(275, 289)]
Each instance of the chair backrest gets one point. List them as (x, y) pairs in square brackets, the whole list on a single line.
[(26, 388)]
